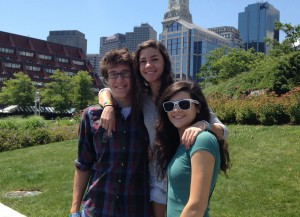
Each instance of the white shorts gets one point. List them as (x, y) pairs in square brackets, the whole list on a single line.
[(158, 188)]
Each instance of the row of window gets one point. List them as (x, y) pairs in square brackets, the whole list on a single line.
[(6, 50), (36, 68), (41, 56)]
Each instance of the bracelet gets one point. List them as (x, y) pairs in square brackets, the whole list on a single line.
[(108, 103), (75, 214)]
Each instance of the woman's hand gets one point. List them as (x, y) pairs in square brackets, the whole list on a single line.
[(190, 134), (107, 119)]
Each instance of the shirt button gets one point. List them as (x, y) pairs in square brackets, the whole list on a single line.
[(120, 180), (122, 164), (123, 148)]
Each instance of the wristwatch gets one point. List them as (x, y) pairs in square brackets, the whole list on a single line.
[(75, 214)]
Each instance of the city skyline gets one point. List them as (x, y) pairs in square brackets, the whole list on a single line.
[(99, 18)]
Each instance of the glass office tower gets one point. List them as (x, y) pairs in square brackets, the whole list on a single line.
[(188, 46), (256, 24)]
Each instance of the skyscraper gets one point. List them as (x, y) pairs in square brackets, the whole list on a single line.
[(140, 34), (187, 43), (95, 61), (230, 33), (115, 41), (257, 23), (129, 39), (69, 37)]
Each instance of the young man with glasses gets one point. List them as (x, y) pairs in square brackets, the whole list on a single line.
[(111, 171)]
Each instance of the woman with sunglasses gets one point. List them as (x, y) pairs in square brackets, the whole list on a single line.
[(153, 68), (192, 173)]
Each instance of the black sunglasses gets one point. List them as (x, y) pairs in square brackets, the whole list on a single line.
[(183, 104)]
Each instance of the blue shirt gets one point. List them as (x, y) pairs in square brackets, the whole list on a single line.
[(118, 185)]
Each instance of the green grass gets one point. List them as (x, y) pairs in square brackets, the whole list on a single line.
[(263, 181)]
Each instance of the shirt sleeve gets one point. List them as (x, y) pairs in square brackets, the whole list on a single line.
[(205, 141), (86, 152), (215, 120)]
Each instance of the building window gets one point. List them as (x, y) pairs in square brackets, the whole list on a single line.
[(45, 57), (76, 62), (49, 71), (62, 60), (69, 73), (25, 53), (3, 79), (33, 68), (174, 27), (6, 50), (13, 65)]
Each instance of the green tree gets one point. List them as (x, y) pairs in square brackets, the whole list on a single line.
[(57, 93), (288, 74), (82, 93), (292, 33), (289, 44), (226, 63), (18, 91)]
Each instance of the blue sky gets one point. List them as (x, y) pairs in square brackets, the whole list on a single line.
[(97, 18)]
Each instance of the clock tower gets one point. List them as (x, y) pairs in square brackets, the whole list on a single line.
[(177, 9)]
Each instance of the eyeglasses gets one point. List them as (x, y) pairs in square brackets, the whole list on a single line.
[(183, 104), (115, 75)]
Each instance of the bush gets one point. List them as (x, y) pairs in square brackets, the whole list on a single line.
[(265, 109), (17, 132), (246, 113)]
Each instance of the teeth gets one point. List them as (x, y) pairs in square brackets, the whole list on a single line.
[(178, 116), (150, 72)]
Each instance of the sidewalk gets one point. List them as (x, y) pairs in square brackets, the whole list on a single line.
[(8, 212)]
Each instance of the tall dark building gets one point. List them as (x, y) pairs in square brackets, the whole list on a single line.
[(115, 41), (230, 33), (39, 59), (69, 37), (256, 23), (140, 34)]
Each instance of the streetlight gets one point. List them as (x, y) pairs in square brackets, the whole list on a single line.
[(37, 105)]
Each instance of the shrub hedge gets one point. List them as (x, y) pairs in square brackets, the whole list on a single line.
[(18, 132), (265, 109)]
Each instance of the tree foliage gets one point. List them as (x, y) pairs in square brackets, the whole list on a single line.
[(57, 93), (225, 63), (18, 91), (82, 93), (238, 71), (292, 33)]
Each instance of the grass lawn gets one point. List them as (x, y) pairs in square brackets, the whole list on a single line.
[(264, 180)]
